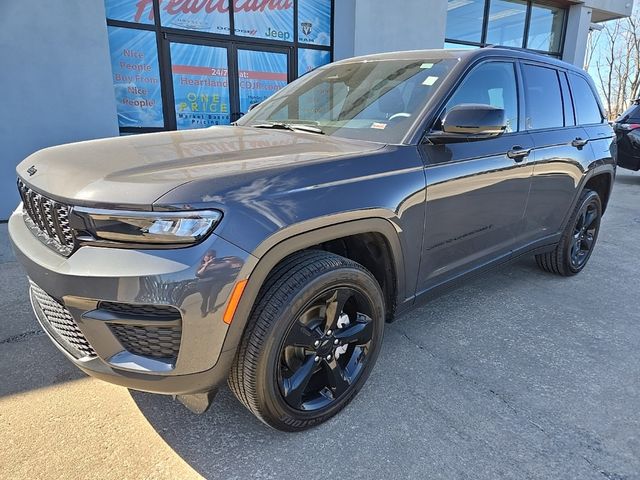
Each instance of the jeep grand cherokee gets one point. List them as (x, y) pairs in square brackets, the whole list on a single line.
[(271, 252)]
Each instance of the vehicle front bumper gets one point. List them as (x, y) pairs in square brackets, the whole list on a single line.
[(138, 277)]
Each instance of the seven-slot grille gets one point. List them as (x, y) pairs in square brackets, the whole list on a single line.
[(62, 323), (48, 219)]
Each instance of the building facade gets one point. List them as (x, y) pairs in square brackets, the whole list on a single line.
[(83, 69)]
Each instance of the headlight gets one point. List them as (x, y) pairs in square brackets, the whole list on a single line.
[(153, 228)]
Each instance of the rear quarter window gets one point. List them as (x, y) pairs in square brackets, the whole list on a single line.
[(584, 101)]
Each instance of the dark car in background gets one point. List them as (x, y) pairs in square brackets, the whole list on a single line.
[(627, 130), (272, 252)]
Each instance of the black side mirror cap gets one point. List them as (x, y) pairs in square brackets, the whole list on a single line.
[(470, 122)]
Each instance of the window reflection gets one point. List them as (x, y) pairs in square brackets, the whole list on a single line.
[(545, 29), (506, 22), (464, 20)]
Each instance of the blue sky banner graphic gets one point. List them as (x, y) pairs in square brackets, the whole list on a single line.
[(201, 15), (136, 77), (314, 22), (261, 75), (129, 10), (200, 85), (310, 59), (271, 19)]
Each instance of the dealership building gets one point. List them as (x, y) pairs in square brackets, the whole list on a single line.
[(81, 69)]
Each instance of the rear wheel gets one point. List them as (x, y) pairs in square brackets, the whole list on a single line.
[(311, 341), (578, 239)]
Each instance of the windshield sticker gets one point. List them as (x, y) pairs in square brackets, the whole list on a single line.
[(430, 81), (426, 65), (379, 125)]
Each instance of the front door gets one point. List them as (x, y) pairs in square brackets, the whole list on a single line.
[(214, 83), (476, 191)]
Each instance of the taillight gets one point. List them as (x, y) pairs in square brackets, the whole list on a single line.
[(627, 126)]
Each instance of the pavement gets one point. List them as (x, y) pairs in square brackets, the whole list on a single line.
[(517, 374)]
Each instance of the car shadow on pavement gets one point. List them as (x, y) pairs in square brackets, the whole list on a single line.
[(423, 407)]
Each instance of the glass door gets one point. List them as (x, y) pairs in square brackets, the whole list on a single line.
[(200, 81), (261, 73), (216, 83)]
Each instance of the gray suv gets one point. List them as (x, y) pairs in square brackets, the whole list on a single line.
[(272, 252)]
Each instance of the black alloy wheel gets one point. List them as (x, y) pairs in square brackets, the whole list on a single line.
[(576, 244), (584, 234), (326, 349), (311, 340)]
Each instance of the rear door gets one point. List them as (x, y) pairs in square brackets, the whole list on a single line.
[(476, 193), (561, 152), (590, 116)]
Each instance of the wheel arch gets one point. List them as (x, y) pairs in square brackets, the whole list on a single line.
[(296, 238)]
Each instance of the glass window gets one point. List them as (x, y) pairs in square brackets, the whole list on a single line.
[(261, 75), (309, 59), (202, 16), (200, 85), (377, 100), (314, 21), (542, 94), (506, 22), (587, 108), (464, 20), (130, 11), (545, 28), (136, 77), (494, 84), (272, 20)]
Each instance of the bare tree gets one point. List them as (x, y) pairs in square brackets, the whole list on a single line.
[(615, 54)]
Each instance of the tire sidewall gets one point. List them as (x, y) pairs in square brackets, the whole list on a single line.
[(267, 387)]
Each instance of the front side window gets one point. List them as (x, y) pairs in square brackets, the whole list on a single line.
[(376, 100), (587, 108), (543, 97), (494, 84)]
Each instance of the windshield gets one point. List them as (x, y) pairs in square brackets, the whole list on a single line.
[(375, 100)]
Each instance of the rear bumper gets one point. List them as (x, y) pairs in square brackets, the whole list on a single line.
[(67, 294)]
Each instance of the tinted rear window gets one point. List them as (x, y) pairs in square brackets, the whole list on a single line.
[(631, 113), (584, 101), (544, 101)]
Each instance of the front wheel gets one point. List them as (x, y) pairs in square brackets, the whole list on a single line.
[(578, 239), (311, 341)]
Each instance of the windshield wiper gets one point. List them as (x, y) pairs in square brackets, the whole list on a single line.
[(293, 127)]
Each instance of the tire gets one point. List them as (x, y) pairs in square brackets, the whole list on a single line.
[(562, 260), (306, 330)]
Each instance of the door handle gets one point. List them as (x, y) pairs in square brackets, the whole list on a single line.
[(518, 153), (578, 142)]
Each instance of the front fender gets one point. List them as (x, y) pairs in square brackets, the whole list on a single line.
[(300, 236)]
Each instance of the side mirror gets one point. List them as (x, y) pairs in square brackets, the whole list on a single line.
[(469, 122), (252, 106)]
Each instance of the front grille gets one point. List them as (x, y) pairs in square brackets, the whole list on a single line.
[(157, 342), (48, 220), (62, 323)]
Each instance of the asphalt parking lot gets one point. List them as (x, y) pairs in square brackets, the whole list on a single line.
[(517, 374)]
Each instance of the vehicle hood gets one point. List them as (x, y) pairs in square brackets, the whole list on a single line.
[(137, 170)]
